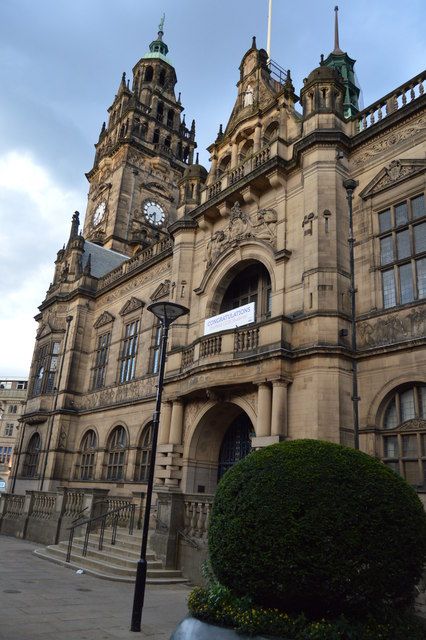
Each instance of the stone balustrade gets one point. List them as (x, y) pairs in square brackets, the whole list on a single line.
[(197, 514), (246, 339), (397, 99), (210, 346)]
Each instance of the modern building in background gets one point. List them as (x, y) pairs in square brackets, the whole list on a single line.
[(256, 246), (13, 393)]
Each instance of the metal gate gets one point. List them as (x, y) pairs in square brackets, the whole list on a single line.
[(236, 444)]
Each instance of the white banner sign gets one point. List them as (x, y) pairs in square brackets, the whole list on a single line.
[(230, 319)]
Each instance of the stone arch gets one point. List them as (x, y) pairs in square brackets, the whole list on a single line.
[(117, 423), (224, 270), (141, 429), (205, 438), (380, 399)]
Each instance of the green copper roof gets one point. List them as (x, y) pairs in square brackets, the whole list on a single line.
[(158, 49)]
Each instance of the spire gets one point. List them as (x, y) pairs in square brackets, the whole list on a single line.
[(75, 223), (158, 48), (337, 48), (161, 27)]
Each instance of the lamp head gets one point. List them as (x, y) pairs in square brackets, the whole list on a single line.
[(167, 312)]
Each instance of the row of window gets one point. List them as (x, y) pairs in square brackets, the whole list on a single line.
[(114, 456), (403, 252), (5, 455), (46, 365)]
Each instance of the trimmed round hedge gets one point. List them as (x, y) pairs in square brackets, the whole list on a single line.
[(314, 527)]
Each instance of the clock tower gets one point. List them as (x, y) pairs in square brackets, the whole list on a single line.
[(141, 155)]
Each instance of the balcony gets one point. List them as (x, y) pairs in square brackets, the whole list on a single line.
[(254, 340)]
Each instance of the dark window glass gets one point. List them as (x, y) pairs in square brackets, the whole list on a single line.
[(406, 283), (385, 221), (143, 455), (389, 292), (117, 444), (87, 459), (420, 237), (401, 214), (421, 278), (32, 456), (386, 250), (128, 352), (101, 359), (403, 244), (418, 206)]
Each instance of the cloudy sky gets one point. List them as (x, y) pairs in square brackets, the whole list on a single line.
[(60, 65)]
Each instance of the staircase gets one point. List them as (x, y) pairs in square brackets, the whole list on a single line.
[(115, 562)]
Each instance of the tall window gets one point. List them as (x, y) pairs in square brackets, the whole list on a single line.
[(8, 430), (253, 284), (116, 450), (143, 455), (129, 348), (101, 360), (5, 455), (32, 456), (155, 349), (13, 408), (46, 365), (87, 455), (404, 437), (403, 252)]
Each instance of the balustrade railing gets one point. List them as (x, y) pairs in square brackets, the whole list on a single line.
[(43, 506), (188, 357), (117, 502), (210, 346), (197, 515), (390, 103), (236, 174), (214, 189), (14, 506), (73, 503), (133, 263), (246, 339)]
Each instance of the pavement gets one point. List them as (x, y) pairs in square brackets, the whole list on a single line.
[(40, 600)]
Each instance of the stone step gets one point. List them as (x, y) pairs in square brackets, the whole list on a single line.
[(118, 548), (112, 553)]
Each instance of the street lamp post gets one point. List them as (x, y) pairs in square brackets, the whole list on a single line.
[(167, 313)]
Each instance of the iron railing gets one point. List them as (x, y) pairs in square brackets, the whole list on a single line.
[(111, 518)]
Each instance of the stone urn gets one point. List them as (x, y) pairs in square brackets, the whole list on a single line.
[(193, 629)]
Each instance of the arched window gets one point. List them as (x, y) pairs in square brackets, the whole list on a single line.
[(149, 74), (162, 77), (170, 118), (223, 165), (246, 150), (116, 450), (160, 111), (404, 437), (252, 284), (87, 455), (167, 142), (143, 454), (236, 444), (32, 456), (271, 133)]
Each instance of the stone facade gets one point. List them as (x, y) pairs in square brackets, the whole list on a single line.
[(269, 224), (13, 393)]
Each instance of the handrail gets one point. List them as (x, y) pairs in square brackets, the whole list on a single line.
[(105, 518)]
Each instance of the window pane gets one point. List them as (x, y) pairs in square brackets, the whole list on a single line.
[(386, 250), (423, 445), (418, 206), (391, 419), (406, 401), (406, 283), (422, 394), (55, 348), (391, 447), (409, 446), (401, 214), (403, 244), (388, 282), (421, 277), (385, 222), (411, 473), (420, 238)]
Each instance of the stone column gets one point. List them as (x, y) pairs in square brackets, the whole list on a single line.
[(176, 426), (165, 422), (279, 408), (263, 410), (257, 137), (234, 155)]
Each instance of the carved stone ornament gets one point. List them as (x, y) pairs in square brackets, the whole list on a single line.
[(416, 424), (393, 328), (162, 291), (103, 186), (395, 172), (259, 226), (132, 305), (104, 318)]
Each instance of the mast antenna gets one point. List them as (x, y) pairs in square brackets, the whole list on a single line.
[(268, 40)]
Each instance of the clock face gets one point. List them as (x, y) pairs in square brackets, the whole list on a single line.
[(154, 212), (99, 213)]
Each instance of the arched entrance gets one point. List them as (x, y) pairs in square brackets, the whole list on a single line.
[(221, 437), (236, 443)]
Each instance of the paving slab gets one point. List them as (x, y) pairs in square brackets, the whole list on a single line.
[(40, 600)]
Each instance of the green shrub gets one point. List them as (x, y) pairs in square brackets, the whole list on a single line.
[(314, 527)]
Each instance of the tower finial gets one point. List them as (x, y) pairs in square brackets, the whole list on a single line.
[(161, 25), (337, 48)]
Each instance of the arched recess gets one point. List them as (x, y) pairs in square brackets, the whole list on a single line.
[(270, 133), (377, 406), (204, 442), (228, 266)]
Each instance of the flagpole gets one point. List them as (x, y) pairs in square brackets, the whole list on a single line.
[(268, 41)]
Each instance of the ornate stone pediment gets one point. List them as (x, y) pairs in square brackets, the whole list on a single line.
[(132, 305), (397, 171), (162, 291), (413, 425), (104, 318), (259, 226), (44, 330)]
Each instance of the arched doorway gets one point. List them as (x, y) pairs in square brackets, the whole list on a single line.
[(236, 443), (221, 437)]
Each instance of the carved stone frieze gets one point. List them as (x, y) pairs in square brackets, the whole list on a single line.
[(395, 172), (149, 275), (393, 328), (138, 389), (388, 141), (416, 424), (105, 318), (260, 226), (131, 305)]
